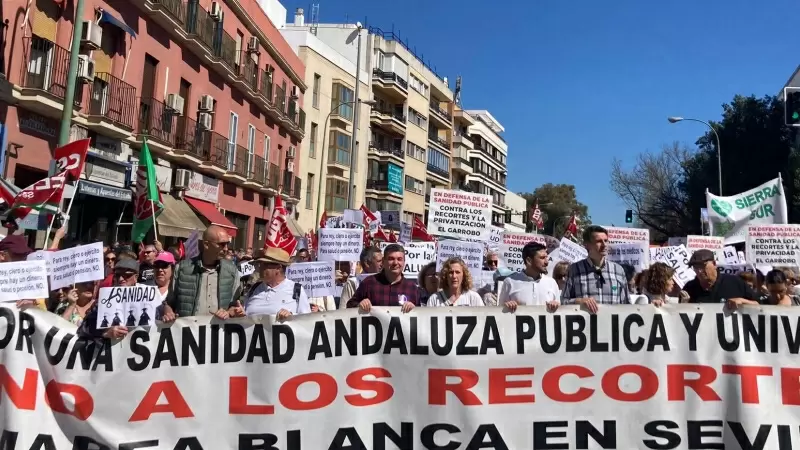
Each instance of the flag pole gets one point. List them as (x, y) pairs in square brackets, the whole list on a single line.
[(155, 228), (53, 219)]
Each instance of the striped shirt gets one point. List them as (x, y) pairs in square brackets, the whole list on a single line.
[(608, 284)]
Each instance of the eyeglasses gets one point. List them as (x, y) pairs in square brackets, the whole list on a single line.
[(125, 274), (492, 262), (111, 259)]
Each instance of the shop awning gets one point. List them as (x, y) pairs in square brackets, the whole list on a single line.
[(295, 228), (178, 219), (119, 23), (212, 214)]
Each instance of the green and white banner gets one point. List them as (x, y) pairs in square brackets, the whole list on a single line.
[(729, 217)]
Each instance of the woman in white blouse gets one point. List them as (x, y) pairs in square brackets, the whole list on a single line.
[(455, 282)]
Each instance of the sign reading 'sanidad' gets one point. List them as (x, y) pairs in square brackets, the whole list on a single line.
[(459, 214)]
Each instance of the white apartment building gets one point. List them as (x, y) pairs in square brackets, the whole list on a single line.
[(514, 216), (488, 159)]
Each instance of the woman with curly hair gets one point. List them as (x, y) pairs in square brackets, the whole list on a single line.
[(455, 283), (659, 283)]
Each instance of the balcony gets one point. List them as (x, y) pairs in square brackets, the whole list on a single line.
[(248, 71), (298, 188), (238, 159), (339, 158), (158, 123), (460, 162), (287, 185), (112, 106), (258, 171), (439, 141), (265, 88), (200, 27), (215, 156), (274, 177), (44, 77), (440, 115), (388, 151), (390, 83), (463, 139), (391, 120), (439, 172)]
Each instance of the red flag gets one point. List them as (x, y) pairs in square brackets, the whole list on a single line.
[(381, 235), (572, 228), (71, 158), (419, 231), (369, 216), (536, 216), (45, 194), (324, 219), (279, 234), (181, 250)]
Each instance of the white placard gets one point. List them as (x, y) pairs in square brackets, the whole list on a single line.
[(495, 238), (23, 280), (459, 214), (390, 218), (339, 244), (470, 252), (742, 258), (129, 306), (318, 278), (486, 280), (774, 245), (76, 265), (511, 248), (246, 268), (728, 255), (570, 252), (353, 216), (418, 254), (676, 257), (406, 231), (735, 269), (694, 243), (635, 254), (621, 235)]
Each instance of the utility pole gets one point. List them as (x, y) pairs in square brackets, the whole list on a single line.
[(357, 111), (72, 77)]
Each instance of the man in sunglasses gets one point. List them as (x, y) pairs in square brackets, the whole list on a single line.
[(209, 283)]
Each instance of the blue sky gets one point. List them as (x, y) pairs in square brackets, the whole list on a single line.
[(577, 83)]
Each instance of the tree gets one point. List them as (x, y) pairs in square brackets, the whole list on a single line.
[(557, 202)]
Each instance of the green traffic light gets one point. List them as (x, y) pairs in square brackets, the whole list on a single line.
[(796, 115)]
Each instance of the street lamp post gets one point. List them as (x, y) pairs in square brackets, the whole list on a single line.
[(322, 151), (676, 119), (354, 142)]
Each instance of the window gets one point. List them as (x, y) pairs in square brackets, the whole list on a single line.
[(339, 149), (343, 98), (267, 142), (335, 195), (382, 205), (415, 151), (418, 85), (438, 160), (414, 185), (251, 146), (233, 130), (309, 191), (381, 60), (315, 91), (312, 141), (417, 119)]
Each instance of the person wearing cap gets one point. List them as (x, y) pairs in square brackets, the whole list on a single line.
[(126, 273), (532, 286), (710, 286), (489, 294), (14, 248), (274, 294), (163, 269)]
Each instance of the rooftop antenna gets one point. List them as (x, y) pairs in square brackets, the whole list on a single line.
[(314, 18), (458, 91)]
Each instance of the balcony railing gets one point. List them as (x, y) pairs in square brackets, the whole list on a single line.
[(191, 138), (157, 121), (239, 161), (298, 187), (439, 140), (438, 171), (47, 68), (378, 185), (226, 51), (258, 169), (434, 106), (218, 149), (394, 113), (175, 8), (391, 77), (114, 99), (274, 176), (199, 24), (266, 85), (288, 183), (291, 110), (387, 148), (280, 99), (248, 70), (301, 119)]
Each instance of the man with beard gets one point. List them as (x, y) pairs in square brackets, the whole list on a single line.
[(388, 287)]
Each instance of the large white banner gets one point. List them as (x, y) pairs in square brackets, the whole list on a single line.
[(774, 245), (511, 248), (763, 205), (460, 215), (621, 235), (630, 377), (417, 255)]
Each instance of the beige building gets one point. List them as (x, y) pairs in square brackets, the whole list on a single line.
[(325, 153), (409, 146)]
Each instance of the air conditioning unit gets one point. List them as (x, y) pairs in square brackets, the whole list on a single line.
[(290, 166), (253, 45), (175, 103), (182, 179), (91, 34), (85, 68), (216, 11), (204, 119), (206, 103), (291, 152), (295, 92)]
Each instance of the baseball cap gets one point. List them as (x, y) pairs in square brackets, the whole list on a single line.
[(16, 244), (701, 257), (502, 273), (166, 257), (126, 264)]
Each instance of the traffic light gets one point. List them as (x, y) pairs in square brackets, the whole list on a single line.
[(791, 105), (628, 216)]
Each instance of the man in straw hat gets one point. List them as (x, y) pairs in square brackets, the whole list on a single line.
[(274, 294)]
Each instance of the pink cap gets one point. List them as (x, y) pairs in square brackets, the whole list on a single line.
[(166, 257)]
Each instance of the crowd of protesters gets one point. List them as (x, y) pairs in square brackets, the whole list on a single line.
[(210, 284)]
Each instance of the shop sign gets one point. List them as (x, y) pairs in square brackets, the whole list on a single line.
[(395, 179), (103, 191), (163, 174), (32, 123), (203, 188), (111, 148), (105, 172)]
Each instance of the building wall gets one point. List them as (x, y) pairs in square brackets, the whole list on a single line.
[(517, 205), (486, 131), (176, 61)]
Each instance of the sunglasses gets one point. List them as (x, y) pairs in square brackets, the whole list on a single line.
[(126, 274), (110, 259), (161, 266)]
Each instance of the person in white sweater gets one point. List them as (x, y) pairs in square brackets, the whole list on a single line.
[(455, 282), (532, 286)]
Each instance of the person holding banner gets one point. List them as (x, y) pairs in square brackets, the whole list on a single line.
[(126, 273), (532, 286), (456, 283), (710, 286), (389, 287), (778, 285), (274, 294), (659, 283), (14, 248), (371, 260), (595, 280)]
